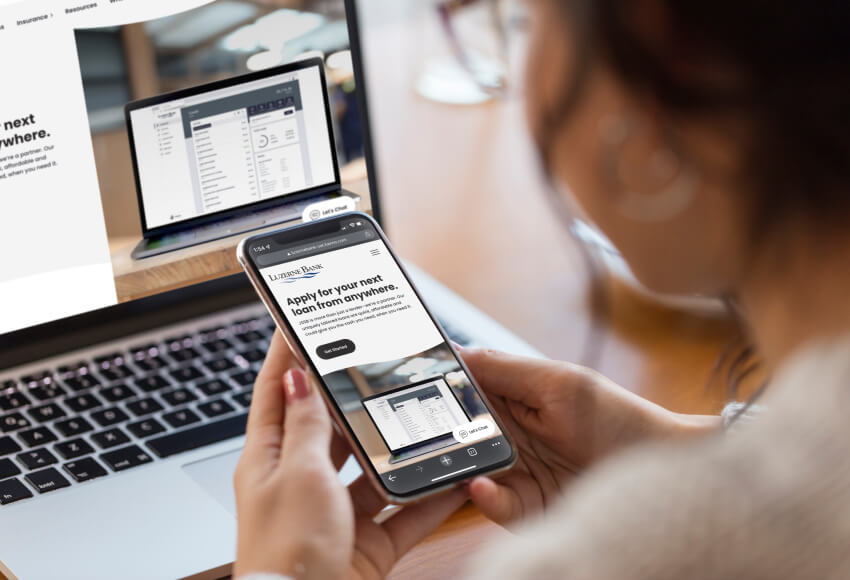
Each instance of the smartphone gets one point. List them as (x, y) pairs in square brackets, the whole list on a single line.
[(416, 420)]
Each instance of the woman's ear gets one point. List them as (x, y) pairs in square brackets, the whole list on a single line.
[(647, 175)]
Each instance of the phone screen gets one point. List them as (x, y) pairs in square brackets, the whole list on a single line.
[(398, 384)]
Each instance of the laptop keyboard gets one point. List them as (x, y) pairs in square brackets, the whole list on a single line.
[(71, 424), (75, 423)]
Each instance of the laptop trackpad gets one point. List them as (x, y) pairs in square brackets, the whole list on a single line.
[(215, 476)]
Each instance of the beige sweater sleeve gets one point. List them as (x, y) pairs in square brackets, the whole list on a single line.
[(770, 501)]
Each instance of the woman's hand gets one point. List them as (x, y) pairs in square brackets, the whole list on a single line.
[(295, 516), (562, 417)]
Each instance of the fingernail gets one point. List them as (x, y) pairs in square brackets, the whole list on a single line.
[(297, 385), (456, 346)]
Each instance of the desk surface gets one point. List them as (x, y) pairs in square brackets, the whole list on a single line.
[(482, 226)]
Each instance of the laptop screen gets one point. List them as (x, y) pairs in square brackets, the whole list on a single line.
[(236, 106), (220, 148), (415, 414)]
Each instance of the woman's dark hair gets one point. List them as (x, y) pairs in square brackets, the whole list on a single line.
[(782, 67)]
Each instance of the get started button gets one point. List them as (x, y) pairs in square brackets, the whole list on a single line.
[(335, 349)]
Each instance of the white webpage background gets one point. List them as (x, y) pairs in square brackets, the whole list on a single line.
[(384, 338), (166, 180), (55, 254), (412, 420)]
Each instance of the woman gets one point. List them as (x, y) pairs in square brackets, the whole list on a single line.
[(709, 141)]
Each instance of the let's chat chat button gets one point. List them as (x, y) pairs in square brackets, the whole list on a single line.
[(474, 431), (327, 208)]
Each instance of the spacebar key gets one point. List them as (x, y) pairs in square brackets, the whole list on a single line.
[(181, 441)]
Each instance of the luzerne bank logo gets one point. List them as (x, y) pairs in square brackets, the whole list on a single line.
[(303, 273)]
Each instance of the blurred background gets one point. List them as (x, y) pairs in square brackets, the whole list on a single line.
[(215, 41)]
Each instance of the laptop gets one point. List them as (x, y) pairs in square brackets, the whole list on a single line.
[(231, 156), (388, 411), (121, 423)]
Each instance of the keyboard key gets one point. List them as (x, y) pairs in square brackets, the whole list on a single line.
[(82, 382), (47, 480), (213, 387), (116, 373), (85, 402), (8, 469), (144, 407), (117, 393), (110, 438), (73, 426), (13, 421), (179, 397), (250, 336), (143, 352), (8, 384), (253, 355), (186, 374), (125, 458), (245, 378), (213, 333), (218, 365), (178, 342), (36, 379), (47, 412), (145, 428), (36, 458), (180, 348), (215, 408), (37, 436), (109, 416), (73, 448), (78, 368), (152, 383), (181, 441), (184, 354), (216, 345), (13, 490), (8, 445), (13, 401), (84, 469), (243, 399), (47, 392), (181, 418), (151, 363)]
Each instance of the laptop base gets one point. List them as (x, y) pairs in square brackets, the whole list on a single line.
[(433, 446), (155, 246)]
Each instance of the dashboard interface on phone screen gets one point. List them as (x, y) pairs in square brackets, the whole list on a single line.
[(393, 377)]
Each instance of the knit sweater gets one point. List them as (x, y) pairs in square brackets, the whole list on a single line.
[(769, 501)]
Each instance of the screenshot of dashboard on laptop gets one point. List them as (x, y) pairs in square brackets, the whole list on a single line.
[(232, 147)]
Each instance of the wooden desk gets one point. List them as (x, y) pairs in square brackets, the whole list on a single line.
[(462, 199)]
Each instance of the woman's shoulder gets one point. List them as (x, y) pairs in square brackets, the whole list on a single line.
[(771, 500)]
